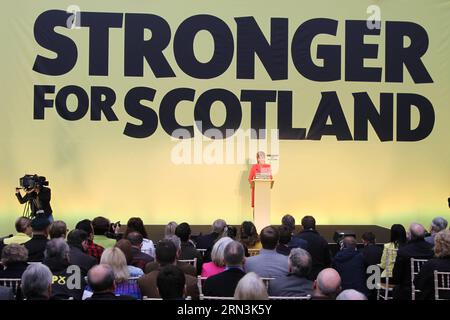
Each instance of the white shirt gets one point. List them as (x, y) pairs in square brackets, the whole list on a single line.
[(148, 247)]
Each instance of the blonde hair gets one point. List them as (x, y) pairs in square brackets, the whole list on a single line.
[(251, 287), (115, 258), (170, 228), (442, 244), (217, 252)]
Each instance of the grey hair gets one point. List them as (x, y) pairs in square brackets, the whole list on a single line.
[(417, 231), (14, 253), (219, 226), (234, 254), (217, 252), (300, 262), (351, 294), (175, 240), (35, 280), (251, 287), (170, 228), (57, 248), (438, 224)]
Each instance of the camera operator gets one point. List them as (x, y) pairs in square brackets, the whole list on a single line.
[(39, 199)]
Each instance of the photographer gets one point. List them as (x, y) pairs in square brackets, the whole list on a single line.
[(38, 196)]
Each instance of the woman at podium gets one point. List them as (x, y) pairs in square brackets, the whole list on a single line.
[(260, 170)]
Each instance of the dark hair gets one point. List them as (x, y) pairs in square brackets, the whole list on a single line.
[(269, 238), (285, 234), (288, 221), (135, 238), (125, 246), (248, 234), (86, 226), (100, 225), (349, 242), (136, 224), (165, 252), (398, 235), (22, 224), (369, 237), (170, 282), (105, 283), (308, 222), (232, 232), (76, 237), (58, 229), (183, 231)]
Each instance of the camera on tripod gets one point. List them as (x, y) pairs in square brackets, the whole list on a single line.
[(30, 181)]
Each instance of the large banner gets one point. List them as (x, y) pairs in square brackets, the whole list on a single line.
[(157, 108)]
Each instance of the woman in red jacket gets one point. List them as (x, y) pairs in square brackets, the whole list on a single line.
[(259, 167)]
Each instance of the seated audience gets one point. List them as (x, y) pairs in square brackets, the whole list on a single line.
[(57, 259), (268, 263), (249, 236), (295, 283), (166, 253), (78, 243), (231, 232), (327, 285), (36, 245), (126, 247), (288, 222), (351, 294), (350, 265), (171, 283), (58, 229), (217, 264), (424, 281), (219, 229), (317, 246), (188, 249), (92, 249), (398, 239), (283, 243), (115, 258), (170, 229), (224, 284), (137, 225), (24, 232), (437, 225), (101, 280), (185, 267), (36, 282), (371, 252), (14, 261), (102, 227), (251, 287), (416, 248), (138, 258)]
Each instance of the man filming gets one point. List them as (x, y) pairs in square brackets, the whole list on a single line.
[(37, 196)]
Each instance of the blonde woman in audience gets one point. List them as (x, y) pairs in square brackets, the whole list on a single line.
[(251, 287), (217, 264), (170, 229), (115, 258)]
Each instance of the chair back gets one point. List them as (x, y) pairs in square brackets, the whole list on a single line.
[(203, 297), (200, 281), (12, 283), (391, 255), (307, 297), (253, 252), (192, 262), (441, 285), (416, 264), (202, 252), (267, 282)]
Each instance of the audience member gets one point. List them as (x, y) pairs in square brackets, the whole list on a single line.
[(14, 261), (296, 282), (170, 229), (78, 243), (101, 280), (437, 225), (288, 221), (219, 229), (92, 249), (102, 227), (36, 283), (138, 257), (327, 285), (398, 239), (251, 287), (24, 232), (232, 232), (126, 247), (371, 252), (188, 249), (137, 225), (36, 245), (171, 283), (351, 294), (224, 284), (283, 243), (268, 263), (249, 236), (416, 248), (58, 229), (217, 264)]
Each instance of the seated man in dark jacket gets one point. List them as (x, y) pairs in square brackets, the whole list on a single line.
[(78, 241), (416, 248), (224, 284), (207, 241), (188, 249), (139, 259), (101, 280), (349, 263), (36, 245)]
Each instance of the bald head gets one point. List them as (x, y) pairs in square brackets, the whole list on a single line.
[(101, 278), (351, 294), (417, 231), (328, 283)]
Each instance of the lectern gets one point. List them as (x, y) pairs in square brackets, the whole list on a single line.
[(261, 209)]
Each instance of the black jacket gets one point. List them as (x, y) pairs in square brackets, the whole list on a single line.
[(372, 254), (61, 280), (318, 249), (283, 249), (39, 201), (401, 274), (424, 281), (81, 259), (349, 263), (188, 252), (36, 248), (14, 270), (223, 284)]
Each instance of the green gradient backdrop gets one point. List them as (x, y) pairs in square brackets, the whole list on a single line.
[(94, 169)]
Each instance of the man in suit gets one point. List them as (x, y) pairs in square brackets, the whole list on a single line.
[(295, 283), (207, 241), (101, 280), (437, 225), (416, 248), (268, 263), (36, 245), (327, 285), (371, 252), (171, 282), (224, 284), (288, 222), (139, 259), (166, 254), (317, 246), (78, 242)]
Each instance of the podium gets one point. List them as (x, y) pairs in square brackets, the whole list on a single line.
[(261, 210)]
